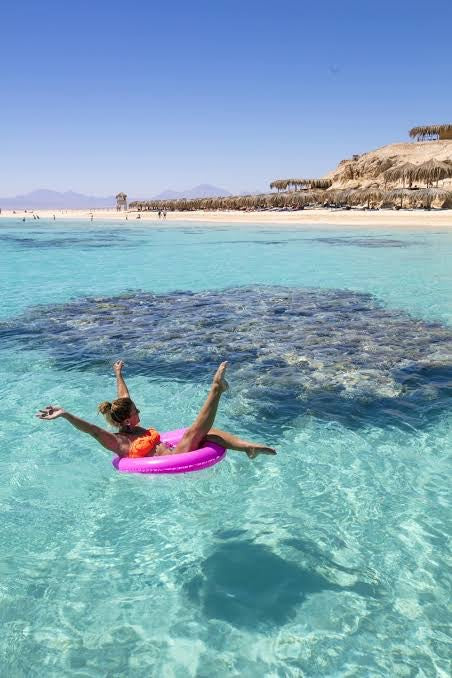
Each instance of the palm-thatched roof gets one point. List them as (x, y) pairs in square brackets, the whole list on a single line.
[(365, 196), (432, 170), (322, 184), (431, 132), (404, 172), (427, 196), (399, 194), (280, 184), (296, 200), (284, 184), (121, 196), (340, 196)]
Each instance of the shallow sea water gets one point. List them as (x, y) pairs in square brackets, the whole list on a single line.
[(331, 559)]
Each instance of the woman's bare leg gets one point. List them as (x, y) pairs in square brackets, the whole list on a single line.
[(201, 426), (232, 442)]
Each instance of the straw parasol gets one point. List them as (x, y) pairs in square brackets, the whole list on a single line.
[(340, 196), (428, 195), (404, 172), (361, 196), (431, 132), (398, 193), (280, 184), (322, 184), (284, 184), (433, 170)]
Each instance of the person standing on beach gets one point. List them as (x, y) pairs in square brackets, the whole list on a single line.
[(164, 214), (160, 214)]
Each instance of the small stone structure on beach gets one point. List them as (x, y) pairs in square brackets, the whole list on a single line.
[(121, 202)]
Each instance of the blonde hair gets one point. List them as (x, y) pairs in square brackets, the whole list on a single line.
[(117, 411)]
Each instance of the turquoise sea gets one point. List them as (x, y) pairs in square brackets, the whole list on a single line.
[(331, 559)]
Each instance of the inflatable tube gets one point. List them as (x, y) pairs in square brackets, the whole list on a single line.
[(185, 462)]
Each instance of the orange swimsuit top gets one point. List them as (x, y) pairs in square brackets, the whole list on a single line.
[(145, 444)]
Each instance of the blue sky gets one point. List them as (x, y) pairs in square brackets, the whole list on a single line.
[(141, 96)]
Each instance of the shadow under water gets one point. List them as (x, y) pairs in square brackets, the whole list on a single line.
[(248, 585), (333, 354), (85, 240), (363, 241)]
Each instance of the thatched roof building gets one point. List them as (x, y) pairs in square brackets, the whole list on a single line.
[(430, 132)]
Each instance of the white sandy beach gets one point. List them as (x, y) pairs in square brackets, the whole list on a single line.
[(308, 217)]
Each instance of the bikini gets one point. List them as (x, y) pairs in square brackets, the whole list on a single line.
[(145, 445)]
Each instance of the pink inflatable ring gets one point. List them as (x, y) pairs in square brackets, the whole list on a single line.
[(185, 462)]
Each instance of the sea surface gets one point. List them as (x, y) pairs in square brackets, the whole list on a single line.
[(330, 559)]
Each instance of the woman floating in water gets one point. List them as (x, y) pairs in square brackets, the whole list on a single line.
[(132, 440)]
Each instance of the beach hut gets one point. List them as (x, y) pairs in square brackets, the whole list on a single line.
[(431, 132), (121, 202)]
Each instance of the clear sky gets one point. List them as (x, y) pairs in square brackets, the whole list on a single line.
[(100, 96)]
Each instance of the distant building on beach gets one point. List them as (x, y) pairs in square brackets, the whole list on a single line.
[(121, 202), (431, 132)]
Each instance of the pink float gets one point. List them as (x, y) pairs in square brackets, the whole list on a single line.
[(186, 462)]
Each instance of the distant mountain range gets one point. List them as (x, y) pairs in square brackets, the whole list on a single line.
[(201, 191), (46, 199)]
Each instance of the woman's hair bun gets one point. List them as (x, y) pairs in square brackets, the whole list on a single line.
[(105, 407), (117, 411)]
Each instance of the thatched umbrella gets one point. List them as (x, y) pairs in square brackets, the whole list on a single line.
[(364, 196), (284, 184), (428, 195), (299, 183), (396, 194), (322, 184), (280, 184), (338, 196), (433, 170), (431, 132), (404, 172)]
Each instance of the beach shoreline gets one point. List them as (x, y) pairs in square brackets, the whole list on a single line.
[(383, 218)]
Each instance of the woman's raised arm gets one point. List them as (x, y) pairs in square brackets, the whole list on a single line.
[(121, 386), (105, 438)]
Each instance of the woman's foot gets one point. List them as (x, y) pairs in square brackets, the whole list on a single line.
[(254, 450), (219, 380)]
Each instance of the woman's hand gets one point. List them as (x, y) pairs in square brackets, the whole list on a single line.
[(51, 412), (117, 366)]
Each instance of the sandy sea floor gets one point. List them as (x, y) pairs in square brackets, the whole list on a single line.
[(330, 559)]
